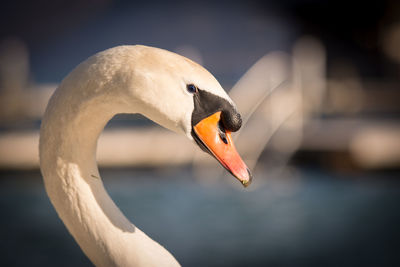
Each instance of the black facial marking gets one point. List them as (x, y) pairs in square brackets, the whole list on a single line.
[(206, 104)]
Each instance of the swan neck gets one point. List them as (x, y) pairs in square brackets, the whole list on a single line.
[(68, 141)]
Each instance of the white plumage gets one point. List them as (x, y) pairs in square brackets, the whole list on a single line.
[(125, 79)]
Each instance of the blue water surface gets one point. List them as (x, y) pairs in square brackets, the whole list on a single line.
[(318, 219)]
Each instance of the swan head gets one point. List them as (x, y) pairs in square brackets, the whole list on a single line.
[(184, 97)]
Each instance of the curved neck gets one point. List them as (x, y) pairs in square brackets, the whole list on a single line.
[(68, 141)]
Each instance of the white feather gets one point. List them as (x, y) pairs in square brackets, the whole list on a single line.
[(125, 79)]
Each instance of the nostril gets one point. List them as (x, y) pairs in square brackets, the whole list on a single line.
[(223, 138), (222, 133)]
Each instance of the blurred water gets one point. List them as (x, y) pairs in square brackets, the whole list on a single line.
[(314, 221)]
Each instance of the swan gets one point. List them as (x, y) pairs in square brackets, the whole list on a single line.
[(167, 88)]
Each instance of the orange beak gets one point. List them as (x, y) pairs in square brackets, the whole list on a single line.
[(218, 142)]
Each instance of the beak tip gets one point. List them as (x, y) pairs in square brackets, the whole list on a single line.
[(246, 183)]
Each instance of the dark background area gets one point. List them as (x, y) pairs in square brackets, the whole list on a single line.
[(74, 30)]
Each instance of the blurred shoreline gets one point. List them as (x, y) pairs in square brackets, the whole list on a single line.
[(292, 107)]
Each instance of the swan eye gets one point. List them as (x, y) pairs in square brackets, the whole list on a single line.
[(191, 88)]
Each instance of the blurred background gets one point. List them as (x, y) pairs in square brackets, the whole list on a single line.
[(317, 83)]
